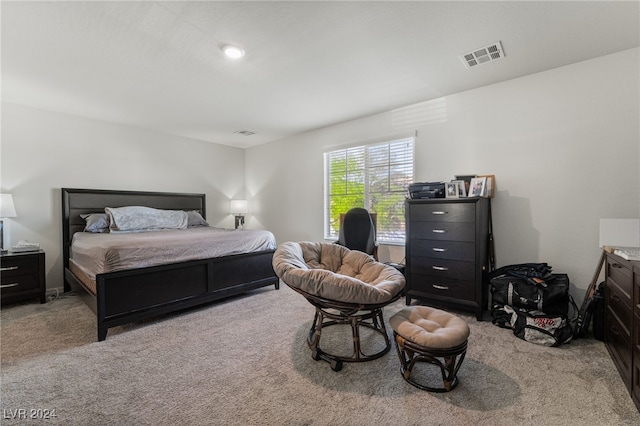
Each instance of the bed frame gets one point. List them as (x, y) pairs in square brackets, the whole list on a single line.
[(136, 294)]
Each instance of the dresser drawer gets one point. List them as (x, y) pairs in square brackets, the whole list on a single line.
[(443, 268), (451, 250), (449, 231), (620, 275), (443, 212), (444, 287), (620, 306), (619, 346)]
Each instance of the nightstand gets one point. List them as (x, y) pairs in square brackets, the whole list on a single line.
[(22, 276)]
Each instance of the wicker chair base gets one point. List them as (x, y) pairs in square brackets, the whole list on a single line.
[(330, 312), (448, 360)]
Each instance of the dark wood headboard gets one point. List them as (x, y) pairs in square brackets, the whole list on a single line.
[(80, 201)]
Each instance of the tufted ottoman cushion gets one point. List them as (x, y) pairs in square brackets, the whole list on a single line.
[(427, 335), (430, 328)]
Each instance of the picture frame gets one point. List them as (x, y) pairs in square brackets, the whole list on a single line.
[(451, 189), (490, 190), (462, 188), (467, 182), (478, 187)]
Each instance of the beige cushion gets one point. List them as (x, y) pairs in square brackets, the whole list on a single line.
[(334, 272), (431, 328)]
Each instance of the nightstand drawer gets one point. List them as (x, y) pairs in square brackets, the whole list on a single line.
[(22, 277), (18, 284), (16, 266)]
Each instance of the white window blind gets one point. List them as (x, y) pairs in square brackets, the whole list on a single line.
[(373, 176)]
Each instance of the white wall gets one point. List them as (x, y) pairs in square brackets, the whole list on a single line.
[(43, 151), (564, 146)]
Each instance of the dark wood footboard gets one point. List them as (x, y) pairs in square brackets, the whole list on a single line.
[(136, 294)]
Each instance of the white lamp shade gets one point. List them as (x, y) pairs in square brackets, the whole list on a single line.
[(238, 207), (7, 209)]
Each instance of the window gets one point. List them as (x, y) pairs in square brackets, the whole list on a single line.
[(373, 176)]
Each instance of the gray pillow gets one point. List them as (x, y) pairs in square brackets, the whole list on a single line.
[(195, 219), (96, 222), (144, 219)]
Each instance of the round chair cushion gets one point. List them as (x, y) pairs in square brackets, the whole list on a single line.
[(334, 272), (429, 327)]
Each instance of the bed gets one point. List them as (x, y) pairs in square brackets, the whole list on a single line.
[(137, 293)]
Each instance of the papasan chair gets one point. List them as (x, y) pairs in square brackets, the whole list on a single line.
[(345, 286)]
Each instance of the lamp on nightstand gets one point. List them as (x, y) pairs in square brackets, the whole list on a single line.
[(238, 208), (7, 209)]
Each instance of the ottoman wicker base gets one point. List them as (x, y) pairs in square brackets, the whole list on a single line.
[(427, 335)]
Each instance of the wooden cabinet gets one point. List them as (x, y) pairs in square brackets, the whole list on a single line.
[(22, 276), (635, 340), (622, 320), (447, 254)]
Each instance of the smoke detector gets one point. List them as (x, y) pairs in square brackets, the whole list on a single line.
[(245, 132), (483, 55)]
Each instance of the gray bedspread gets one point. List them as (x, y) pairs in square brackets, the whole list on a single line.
[(97, 253)]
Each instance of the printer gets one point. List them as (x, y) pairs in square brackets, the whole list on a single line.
[(420, 190)]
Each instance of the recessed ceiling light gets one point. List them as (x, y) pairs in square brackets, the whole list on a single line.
[(231, 51)]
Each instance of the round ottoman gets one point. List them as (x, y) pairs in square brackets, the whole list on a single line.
[(424, 334)]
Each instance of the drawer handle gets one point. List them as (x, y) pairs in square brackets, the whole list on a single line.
[(439, 212), (440, 287), (439, 250), (438, 231), (616, 265), (10, 268), (9, 285), (440, 268), (615, 298), (613, 329)]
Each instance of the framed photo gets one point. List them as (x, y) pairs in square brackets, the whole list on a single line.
[(490, 186), (462, 188), (478, 187), (467, 182), (451, 189)]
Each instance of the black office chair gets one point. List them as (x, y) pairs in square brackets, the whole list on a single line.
[(358, 231)]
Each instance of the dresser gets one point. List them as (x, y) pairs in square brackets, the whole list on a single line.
[(23, 277), (447, 252), (622, 320)]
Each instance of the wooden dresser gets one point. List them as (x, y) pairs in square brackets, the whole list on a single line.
[(447, 252), (622, 320)]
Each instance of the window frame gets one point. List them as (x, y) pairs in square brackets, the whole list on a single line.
[(385, 235)]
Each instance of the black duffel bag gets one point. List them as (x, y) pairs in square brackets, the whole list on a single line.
[(548, 293)]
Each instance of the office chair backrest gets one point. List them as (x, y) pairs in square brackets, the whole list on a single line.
[(357, 231)]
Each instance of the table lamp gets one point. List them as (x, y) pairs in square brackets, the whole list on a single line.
[(238, 208), (7, 209)]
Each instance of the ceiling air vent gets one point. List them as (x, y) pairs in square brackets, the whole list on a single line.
[(245, 132), (483, 55)]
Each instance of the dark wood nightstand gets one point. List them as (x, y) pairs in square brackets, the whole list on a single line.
[(23, 277)]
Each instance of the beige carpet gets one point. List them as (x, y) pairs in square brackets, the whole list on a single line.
[(244, 361)]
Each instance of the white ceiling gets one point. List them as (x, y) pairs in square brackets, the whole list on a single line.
[(157, 65)]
